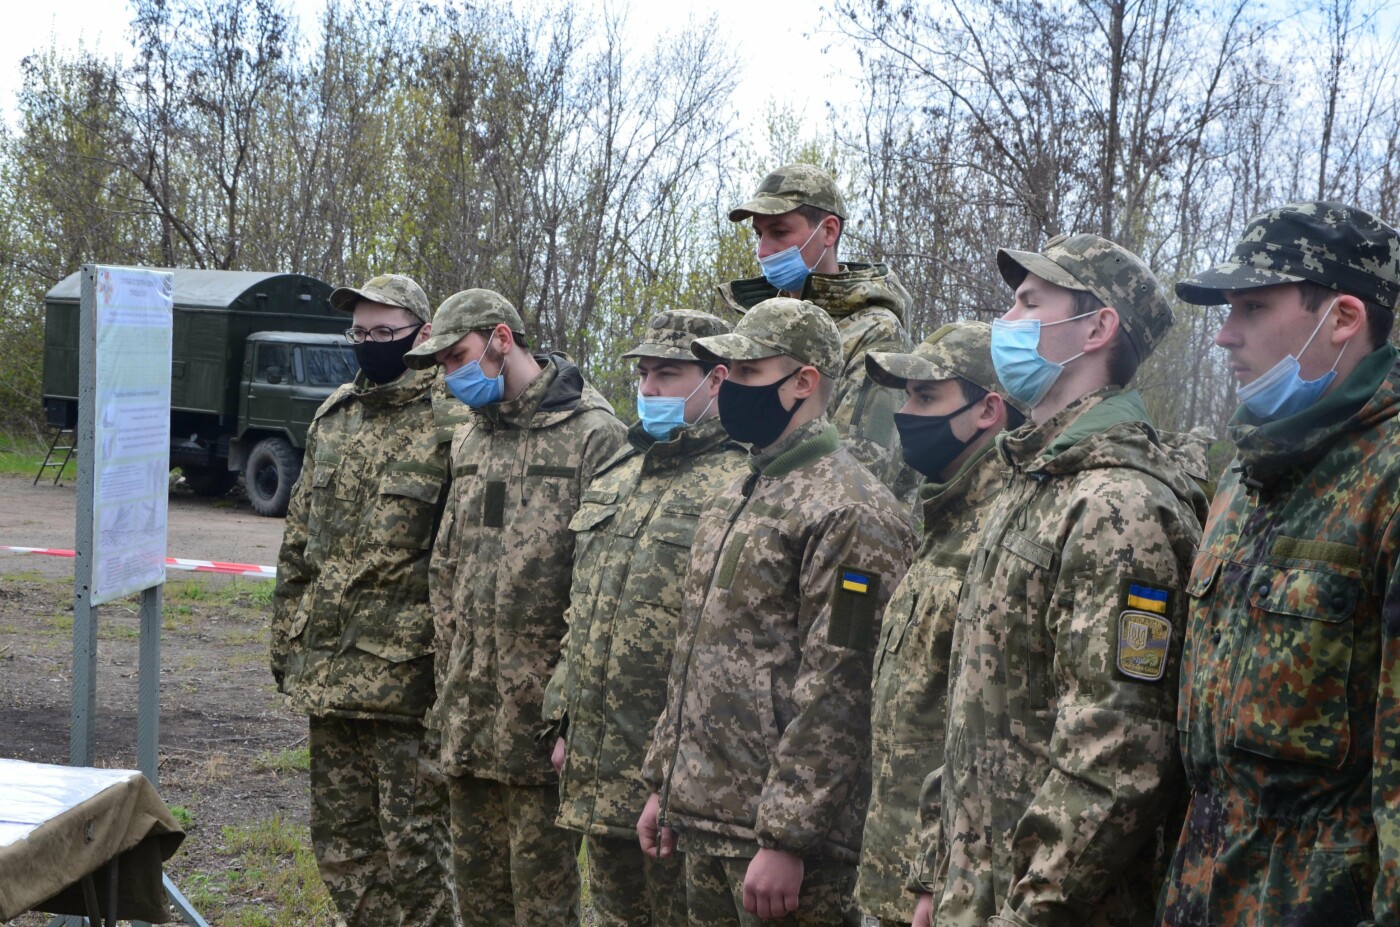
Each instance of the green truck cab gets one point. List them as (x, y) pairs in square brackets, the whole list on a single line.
[(253, 357)]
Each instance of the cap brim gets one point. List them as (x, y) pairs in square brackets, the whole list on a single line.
[(895, 370), (344, 298), (762, 206), (1014, 265), (721, 349), (1209, 288), (663, 351), (425, 355)]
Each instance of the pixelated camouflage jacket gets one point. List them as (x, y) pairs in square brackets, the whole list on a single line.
[(1289, 716), (352, 633), (633, 532), (765, 740), (502, 565), (911, 684), (868, 304), (1061, 767)]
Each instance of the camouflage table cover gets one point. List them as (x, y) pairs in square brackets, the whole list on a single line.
[(59, 823)]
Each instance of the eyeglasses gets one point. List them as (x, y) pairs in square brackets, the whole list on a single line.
[(381, 333)]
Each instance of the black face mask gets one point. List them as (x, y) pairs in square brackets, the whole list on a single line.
[(382, 361), (929, 444), (754, 414)]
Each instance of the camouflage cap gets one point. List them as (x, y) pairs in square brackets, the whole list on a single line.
[(1115, 275), (960, 349), (669, 334), (1340, 247), (459, 315), (781, 325), (389, 289), (789, 187)]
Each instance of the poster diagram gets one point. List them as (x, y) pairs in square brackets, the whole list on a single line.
[(132, 440)]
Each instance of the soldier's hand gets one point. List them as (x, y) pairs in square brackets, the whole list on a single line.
[(772, 883), (660, 843), (923, 911), (557, 757)]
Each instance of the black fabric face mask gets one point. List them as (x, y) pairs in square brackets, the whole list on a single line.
[(754, 414), (382, 361), (928, 442)]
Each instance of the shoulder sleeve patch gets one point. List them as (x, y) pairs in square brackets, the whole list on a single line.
[(1144, 639), (854, 597)]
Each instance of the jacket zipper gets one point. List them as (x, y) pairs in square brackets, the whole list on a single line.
[(749, 486)]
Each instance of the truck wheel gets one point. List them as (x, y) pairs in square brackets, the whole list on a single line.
[(273, 468), (209, 481)]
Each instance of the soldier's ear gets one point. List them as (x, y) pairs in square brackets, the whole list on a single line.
[(424, 334)]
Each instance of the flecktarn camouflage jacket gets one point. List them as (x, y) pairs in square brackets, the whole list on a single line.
[(1290, 685)]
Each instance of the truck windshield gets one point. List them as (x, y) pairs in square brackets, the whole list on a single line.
[(329, 365)]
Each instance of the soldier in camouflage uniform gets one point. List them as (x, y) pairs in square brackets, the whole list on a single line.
[(797, 207), (352, 633), (1289, 716), (633, 531), (534, 438), (1061, 773), (947, 428), (761, 760)]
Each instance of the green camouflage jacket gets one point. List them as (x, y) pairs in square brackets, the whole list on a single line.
[(633, 534), (1061, 767), (502, 564), (1290, 685), (352, 634), (765, 737), (911, 684), (868, 303)]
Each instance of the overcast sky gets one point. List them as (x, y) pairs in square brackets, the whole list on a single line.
[(775, 59)]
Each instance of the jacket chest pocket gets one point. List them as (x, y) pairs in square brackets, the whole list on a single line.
[(1292, 689), (321, 507), (407, 509), (596, 511), (1023, 591), (664, 554)]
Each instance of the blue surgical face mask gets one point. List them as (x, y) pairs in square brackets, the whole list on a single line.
[(1282, 391), (662, 415), (785, 269), (473, 387), (1021, 368)]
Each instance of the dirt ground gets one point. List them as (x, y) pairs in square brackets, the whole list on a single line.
[(229, 750)]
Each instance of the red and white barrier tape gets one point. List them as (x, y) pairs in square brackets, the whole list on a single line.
[(174, 563)]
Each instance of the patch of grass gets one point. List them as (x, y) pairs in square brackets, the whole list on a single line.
[(284, 761), (240, 638), (270, 862), (182, 815), (22, 456), (106, 631), (61, 623), (27, 576)]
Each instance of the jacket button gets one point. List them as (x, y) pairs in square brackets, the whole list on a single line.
[(1339, 601), (1263, 590), (1215, 638)]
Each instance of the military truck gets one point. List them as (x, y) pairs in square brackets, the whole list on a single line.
[(254, 355)]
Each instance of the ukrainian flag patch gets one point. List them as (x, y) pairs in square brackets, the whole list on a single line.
[(1146, 598), (852, 581), (855, 597)]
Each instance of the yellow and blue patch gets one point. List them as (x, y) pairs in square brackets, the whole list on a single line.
[(855, 582), (855, 598), (1146, 598)]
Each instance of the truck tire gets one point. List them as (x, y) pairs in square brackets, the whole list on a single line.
[(273, 468), (211, 482)]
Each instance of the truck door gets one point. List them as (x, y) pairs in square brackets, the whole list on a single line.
[(270, 387)]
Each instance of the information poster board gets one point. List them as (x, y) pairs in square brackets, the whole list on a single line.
[(134, 317)]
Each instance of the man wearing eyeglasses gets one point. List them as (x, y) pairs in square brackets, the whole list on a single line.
[(352, 633)]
